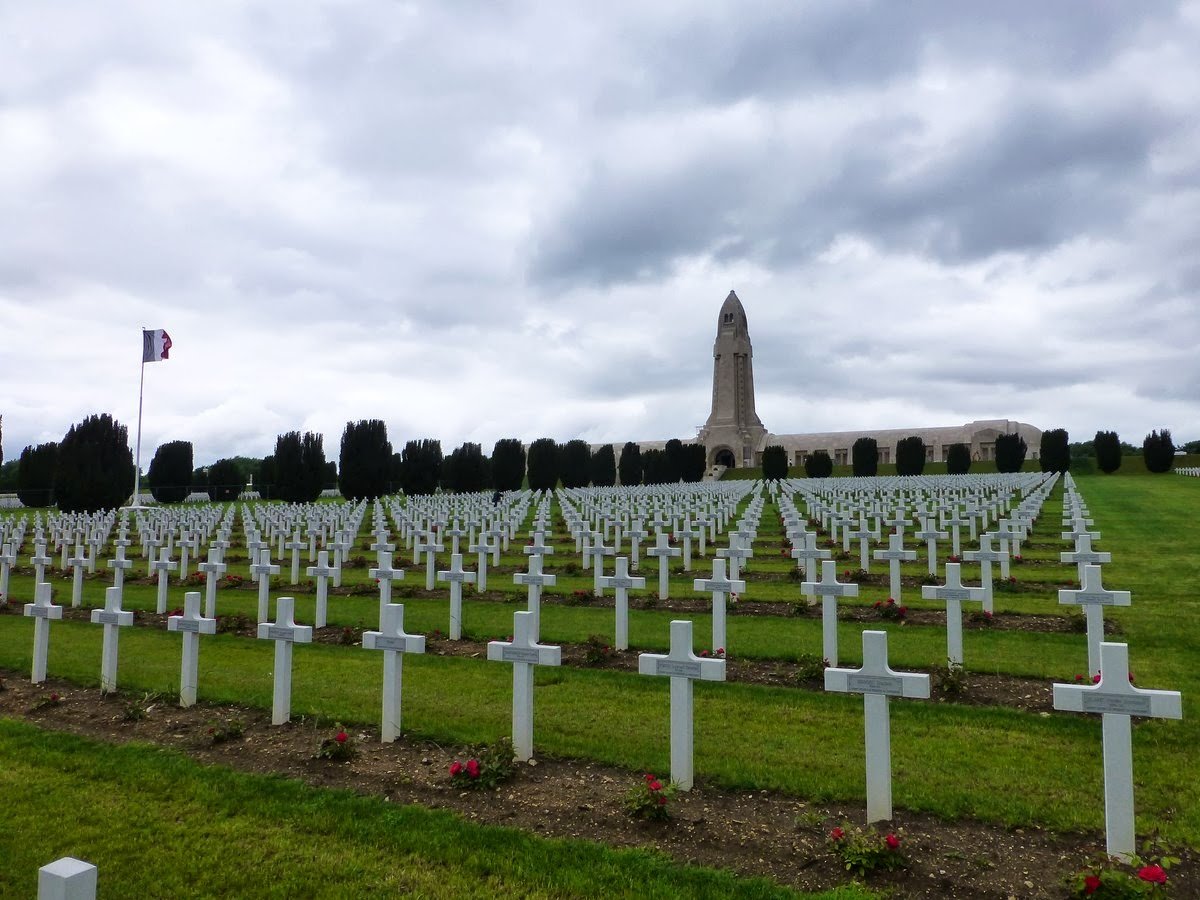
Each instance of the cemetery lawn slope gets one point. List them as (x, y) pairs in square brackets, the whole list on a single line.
[(159, 824)]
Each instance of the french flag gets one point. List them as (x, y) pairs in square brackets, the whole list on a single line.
[(156, 345)]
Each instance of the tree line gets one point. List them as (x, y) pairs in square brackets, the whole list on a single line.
[(1055, 454), (92, 467)]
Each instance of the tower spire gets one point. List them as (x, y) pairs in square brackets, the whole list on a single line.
[(733, 431)]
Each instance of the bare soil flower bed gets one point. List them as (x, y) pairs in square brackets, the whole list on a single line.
[(750, 832)]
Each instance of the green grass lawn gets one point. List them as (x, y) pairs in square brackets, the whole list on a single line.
[(160, 825), (951, 760)]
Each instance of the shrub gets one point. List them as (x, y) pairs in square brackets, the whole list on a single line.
[(958, 459), (340, 746), (950, 681), (630, 467), (224, 481), (604, 467), (775, 462), (299, 466), (864, 456), (466, 470), (649, 799), (1107, 445), (574, 463), (693, 462), (170, 473), (35, 474), (673, 452), (910, 456), (95, 466), (1010, 452), (508, 464), (818, 465), (365, 460), (1158, 450), (421, 466), (486, 766), (543, 465), (597, 651), (865, 850), (1054, 452)]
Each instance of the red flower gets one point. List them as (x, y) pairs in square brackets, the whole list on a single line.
[(1091, 884), (655, 785), (473, 768), (877, 604), (455, 769), (837, 834), (1096, 678), (648, 777), (891, 601), (892, 841), (704, 653), (1153, 873), (341, 737), (662, 801)]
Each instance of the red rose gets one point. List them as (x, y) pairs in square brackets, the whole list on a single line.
[(341, 737), (892, 841), (456, 768), (473, 768), (655, 785), (648, 777), (662, 801), (837, 834), (1096, 678), (1153, 873), (1091, 884)]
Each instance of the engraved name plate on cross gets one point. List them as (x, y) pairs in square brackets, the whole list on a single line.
[(523, 652), (394, 642)]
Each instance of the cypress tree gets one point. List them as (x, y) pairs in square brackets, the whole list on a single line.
[(466, 469), (630, 467), (818, 465), (910, 456), (1010, 452), (543, 465), (1158, 450), (774, 462), (604, 467), (1054, 451), (864, 456), (508, 464), (35, 474), (574, 463), (170, 473), (958, 459), (1107, 445), (674, 457), (224, 481), (655, 467), (693, 462), (95, 466), (288, 477), (365, 460), (421, 466)]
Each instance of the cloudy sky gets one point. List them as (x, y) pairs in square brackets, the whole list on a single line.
[(520, 219)]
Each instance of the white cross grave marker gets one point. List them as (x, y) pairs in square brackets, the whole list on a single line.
[(295, 545), (523, 652), (1083, 555), (42, 610), (829, 589), (213, 569), (163, 565), (284, 632), (385, 575), (894, 554), (535, 580), (191, 625), (985, 556), (394, 642), (683, 667), (621, 581), (263, 570), (456, 576), (953, 592), (664, 551), (876, 681), (322, 571), (1117, 700), (78, 564), (113, 618), (720, 587), (1093, 597)]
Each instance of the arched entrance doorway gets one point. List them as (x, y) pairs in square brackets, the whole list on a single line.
[(725, 458)]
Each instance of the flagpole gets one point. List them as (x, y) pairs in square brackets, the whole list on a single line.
[(137, 465)]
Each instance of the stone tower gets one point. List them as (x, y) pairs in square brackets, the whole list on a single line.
[(733, 433)]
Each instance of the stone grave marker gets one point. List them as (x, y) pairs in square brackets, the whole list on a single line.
[(876, 681), (394, 641), (113, 618), (829, 589), (621, 581), (683, 667), (456, 576), (1093, 597), (285, 633), (720, 587), (523, 652), (42, 610), (191, 625)]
